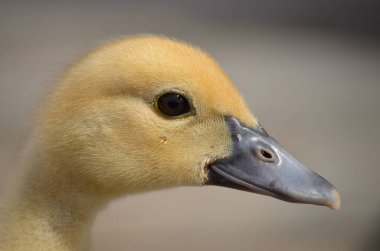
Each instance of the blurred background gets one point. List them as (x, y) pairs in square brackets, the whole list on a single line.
[(310, 70)]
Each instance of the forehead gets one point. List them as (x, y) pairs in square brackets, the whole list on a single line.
[(152, 65)]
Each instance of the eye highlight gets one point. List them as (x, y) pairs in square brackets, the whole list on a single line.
[(172, 104)]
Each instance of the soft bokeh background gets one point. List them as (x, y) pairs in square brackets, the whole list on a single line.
[(309, 69)]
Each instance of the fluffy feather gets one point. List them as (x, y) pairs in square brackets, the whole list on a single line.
[(98, 137)]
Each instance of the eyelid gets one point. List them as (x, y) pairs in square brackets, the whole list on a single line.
[(172, 90)]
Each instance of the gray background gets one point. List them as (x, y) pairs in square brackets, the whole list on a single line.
[(308, 69)]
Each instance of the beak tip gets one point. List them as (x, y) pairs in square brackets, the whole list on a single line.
[(335, 202)]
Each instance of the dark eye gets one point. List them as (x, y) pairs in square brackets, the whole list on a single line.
[(172, 104)]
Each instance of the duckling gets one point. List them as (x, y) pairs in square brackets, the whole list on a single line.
[(140, 114)]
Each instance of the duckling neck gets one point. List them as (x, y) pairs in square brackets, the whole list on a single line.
[(48, 210)]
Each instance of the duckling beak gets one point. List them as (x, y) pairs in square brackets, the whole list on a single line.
[(259, 164)]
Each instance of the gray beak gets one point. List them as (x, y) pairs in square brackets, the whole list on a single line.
[(259, 164)]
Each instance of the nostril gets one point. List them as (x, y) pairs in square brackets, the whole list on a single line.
[(266, 155)]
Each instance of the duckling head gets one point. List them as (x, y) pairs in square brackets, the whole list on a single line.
[(148, 112)]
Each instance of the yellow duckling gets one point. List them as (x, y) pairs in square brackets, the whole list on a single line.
[(139, 114)]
